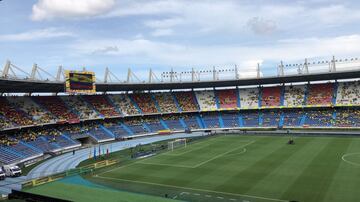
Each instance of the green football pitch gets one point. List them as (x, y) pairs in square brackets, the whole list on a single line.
[(242, 168)]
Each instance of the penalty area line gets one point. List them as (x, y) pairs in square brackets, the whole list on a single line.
[(193, 189)]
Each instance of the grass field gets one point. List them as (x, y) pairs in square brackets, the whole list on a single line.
[(245, 168)]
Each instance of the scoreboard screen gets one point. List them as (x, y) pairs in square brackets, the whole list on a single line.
[(80, 82)]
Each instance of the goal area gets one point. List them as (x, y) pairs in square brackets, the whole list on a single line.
[(176, 144)]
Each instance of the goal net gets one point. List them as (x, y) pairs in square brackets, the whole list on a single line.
[(176, 144)]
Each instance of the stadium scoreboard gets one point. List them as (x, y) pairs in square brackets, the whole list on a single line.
[(80, 82)]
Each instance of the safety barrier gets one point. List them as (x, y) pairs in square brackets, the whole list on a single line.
[(77, 171)]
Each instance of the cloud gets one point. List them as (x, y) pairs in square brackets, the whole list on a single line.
[(261, 26), (50, 9), (36, 35), (187, 55), (162, 32), (107, 50)]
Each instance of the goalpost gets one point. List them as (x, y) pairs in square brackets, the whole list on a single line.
[(176, 144)]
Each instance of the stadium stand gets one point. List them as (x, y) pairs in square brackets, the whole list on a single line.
[(37, 114), (250, 118), (173, 122), (292, 118), (347, 117), (294, 95), (348, 93), (102, 105), (57, 107), (166, 102), (16, 116), (319, 118), (145, 103), (230, 119), (187, 101), (211, 120), (249, 98), (123, 102), (191, 121), (271, 96), (227, 98), (320, 94), (85, 111), (270, 118), (206, 100)]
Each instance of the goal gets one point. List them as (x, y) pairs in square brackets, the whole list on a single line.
[(176, 144)]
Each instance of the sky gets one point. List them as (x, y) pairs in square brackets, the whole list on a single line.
[(178, 34)]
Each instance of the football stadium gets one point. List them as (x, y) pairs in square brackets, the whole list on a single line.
[(272, 117)]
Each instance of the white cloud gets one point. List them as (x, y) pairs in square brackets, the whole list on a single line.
[(49, 9), (162, 32), (182, 55), (261, 26), (36, 35)]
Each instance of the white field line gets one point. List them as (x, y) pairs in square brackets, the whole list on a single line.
[(243, 151), (350, 162), (220, 155), (182, 166), (185, 152), (194, 189), (165, 164)]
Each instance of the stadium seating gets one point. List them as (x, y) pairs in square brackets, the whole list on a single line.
[(211, 120), (249, 98), (292, 118), (348, 93), (33, 110), (102, 105), (57, 107), (319, 118), (206, 100), (85, 111), (117, 129), (166, 102), (14, 115), (153, 123), (271, 96), (320, 94), (227, 98), (347, 117), (145, 102), (191, 121), (173, 122), (270, 118), (187, 101), (136, 126), (230, 119), (294, 95), (250, 118), (123, 102)]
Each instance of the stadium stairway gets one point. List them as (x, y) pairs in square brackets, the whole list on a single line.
[(260, 96), (176, 102), (127, 129), (135, 104), (217, 101), (200, 121), (182, 122), (164, 124), (238, 97), (336, 86), (282, 95), (111, 102), (260, 119), (107, 131), (307, 88), (241, 122), (221, 121), (281, 121), (303, 119), (156, 103), (196, 101), (334, 118), (146, 127)]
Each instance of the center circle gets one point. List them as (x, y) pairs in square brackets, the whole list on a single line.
[(352, 158)]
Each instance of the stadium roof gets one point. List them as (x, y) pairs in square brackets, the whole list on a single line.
[(27, 86)]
